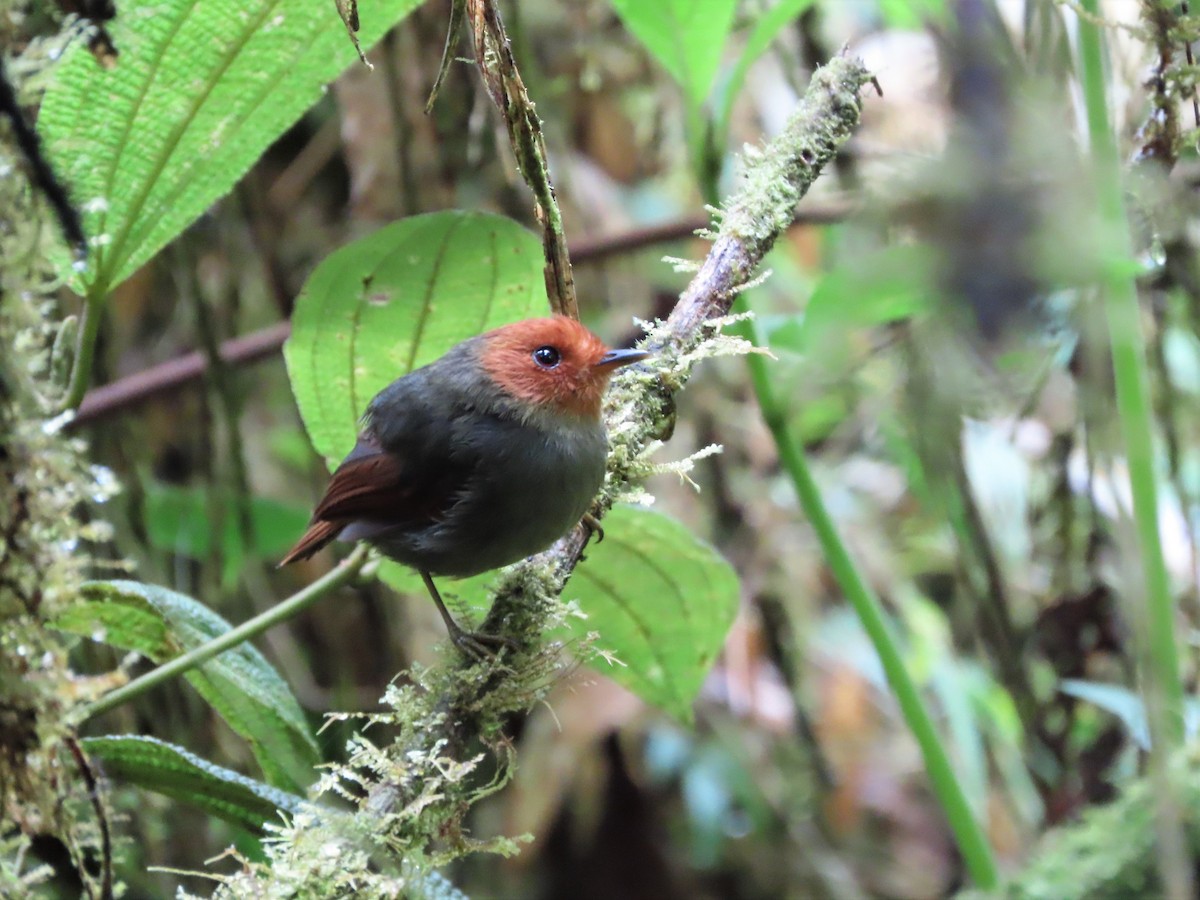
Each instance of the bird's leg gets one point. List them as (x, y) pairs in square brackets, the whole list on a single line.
[(472, 643), (593, 526)]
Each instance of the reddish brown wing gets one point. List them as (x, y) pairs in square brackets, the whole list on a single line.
[(369, 487), (378, 486), (317, 536)]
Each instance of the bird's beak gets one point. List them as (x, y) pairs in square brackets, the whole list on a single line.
[(615, 358)]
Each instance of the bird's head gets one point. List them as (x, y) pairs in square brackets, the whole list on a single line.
[(554, 364)]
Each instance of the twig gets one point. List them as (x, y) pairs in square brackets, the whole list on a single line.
[(494, 57), (443, 720), (183, 369), (331, 581), (41, 174), (88, 773), (591, 250), (458, 11)]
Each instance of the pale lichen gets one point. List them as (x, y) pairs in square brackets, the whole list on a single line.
[(47, 787)]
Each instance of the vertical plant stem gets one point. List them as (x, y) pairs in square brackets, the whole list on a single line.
[(968, 832), (330, 581), (1162, 687), (1133, 407), (85, 349)]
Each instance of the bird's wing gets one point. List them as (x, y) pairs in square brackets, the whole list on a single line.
[(377, 485)]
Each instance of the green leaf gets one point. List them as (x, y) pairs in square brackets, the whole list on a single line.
[(398, 299), (239, 684), (1116, 699), (661, 600), (766, 29), (183, 776), (200, 90), (685, 36)]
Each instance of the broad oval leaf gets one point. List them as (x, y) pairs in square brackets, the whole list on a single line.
[(397, 299), (183, 776), (662, 601), (200, 90), (685, 36), (243, 688)]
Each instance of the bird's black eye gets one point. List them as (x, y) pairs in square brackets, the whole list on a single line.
[(547, 357)]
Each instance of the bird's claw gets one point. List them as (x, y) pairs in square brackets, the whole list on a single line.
[(479, 646), (593, 525)]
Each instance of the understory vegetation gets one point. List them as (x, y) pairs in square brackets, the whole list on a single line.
[(898, 588)]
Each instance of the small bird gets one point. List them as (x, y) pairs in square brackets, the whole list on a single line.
[(477, 460)]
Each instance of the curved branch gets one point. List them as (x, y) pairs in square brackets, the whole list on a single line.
[(120, 395)]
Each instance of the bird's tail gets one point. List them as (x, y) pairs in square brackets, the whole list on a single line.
[(319, 534)]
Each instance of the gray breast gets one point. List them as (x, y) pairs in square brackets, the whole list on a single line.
[(535, 484)]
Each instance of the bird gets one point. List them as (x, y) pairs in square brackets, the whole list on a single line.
[(477, 460)]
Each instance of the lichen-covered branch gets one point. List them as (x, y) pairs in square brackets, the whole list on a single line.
[(47, 787), (640, 408), (413, 794)]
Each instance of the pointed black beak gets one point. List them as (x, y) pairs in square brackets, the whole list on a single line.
[(614, 358)]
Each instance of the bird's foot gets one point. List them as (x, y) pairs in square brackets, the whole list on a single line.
[(478, 645), (593, 525)]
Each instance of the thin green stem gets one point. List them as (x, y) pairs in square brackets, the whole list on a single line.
[(85, 349), (1133, 407), (1162, 688), (968, 832), (331, 581)]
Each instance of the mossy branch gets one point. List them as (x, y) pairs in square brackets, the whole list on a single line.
[(640, 405), (414, 793)]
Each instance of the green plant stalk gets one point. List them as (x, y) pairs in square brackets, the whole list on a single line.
[(968, 832), (1162, 688), (281, 612), (1160, 654), (85, 348)]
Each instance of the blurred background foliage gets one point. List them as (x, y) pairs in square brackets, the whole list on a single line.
[(937, 348)]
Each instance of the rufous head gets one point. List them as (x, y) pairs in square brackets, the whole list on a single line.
[(552, 363)]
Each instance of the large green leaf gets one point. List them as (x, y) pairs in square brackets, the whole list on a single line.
[(183, 776), (686, 36), (661, 600), (200, 90), (239, 684), (398, 299)]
